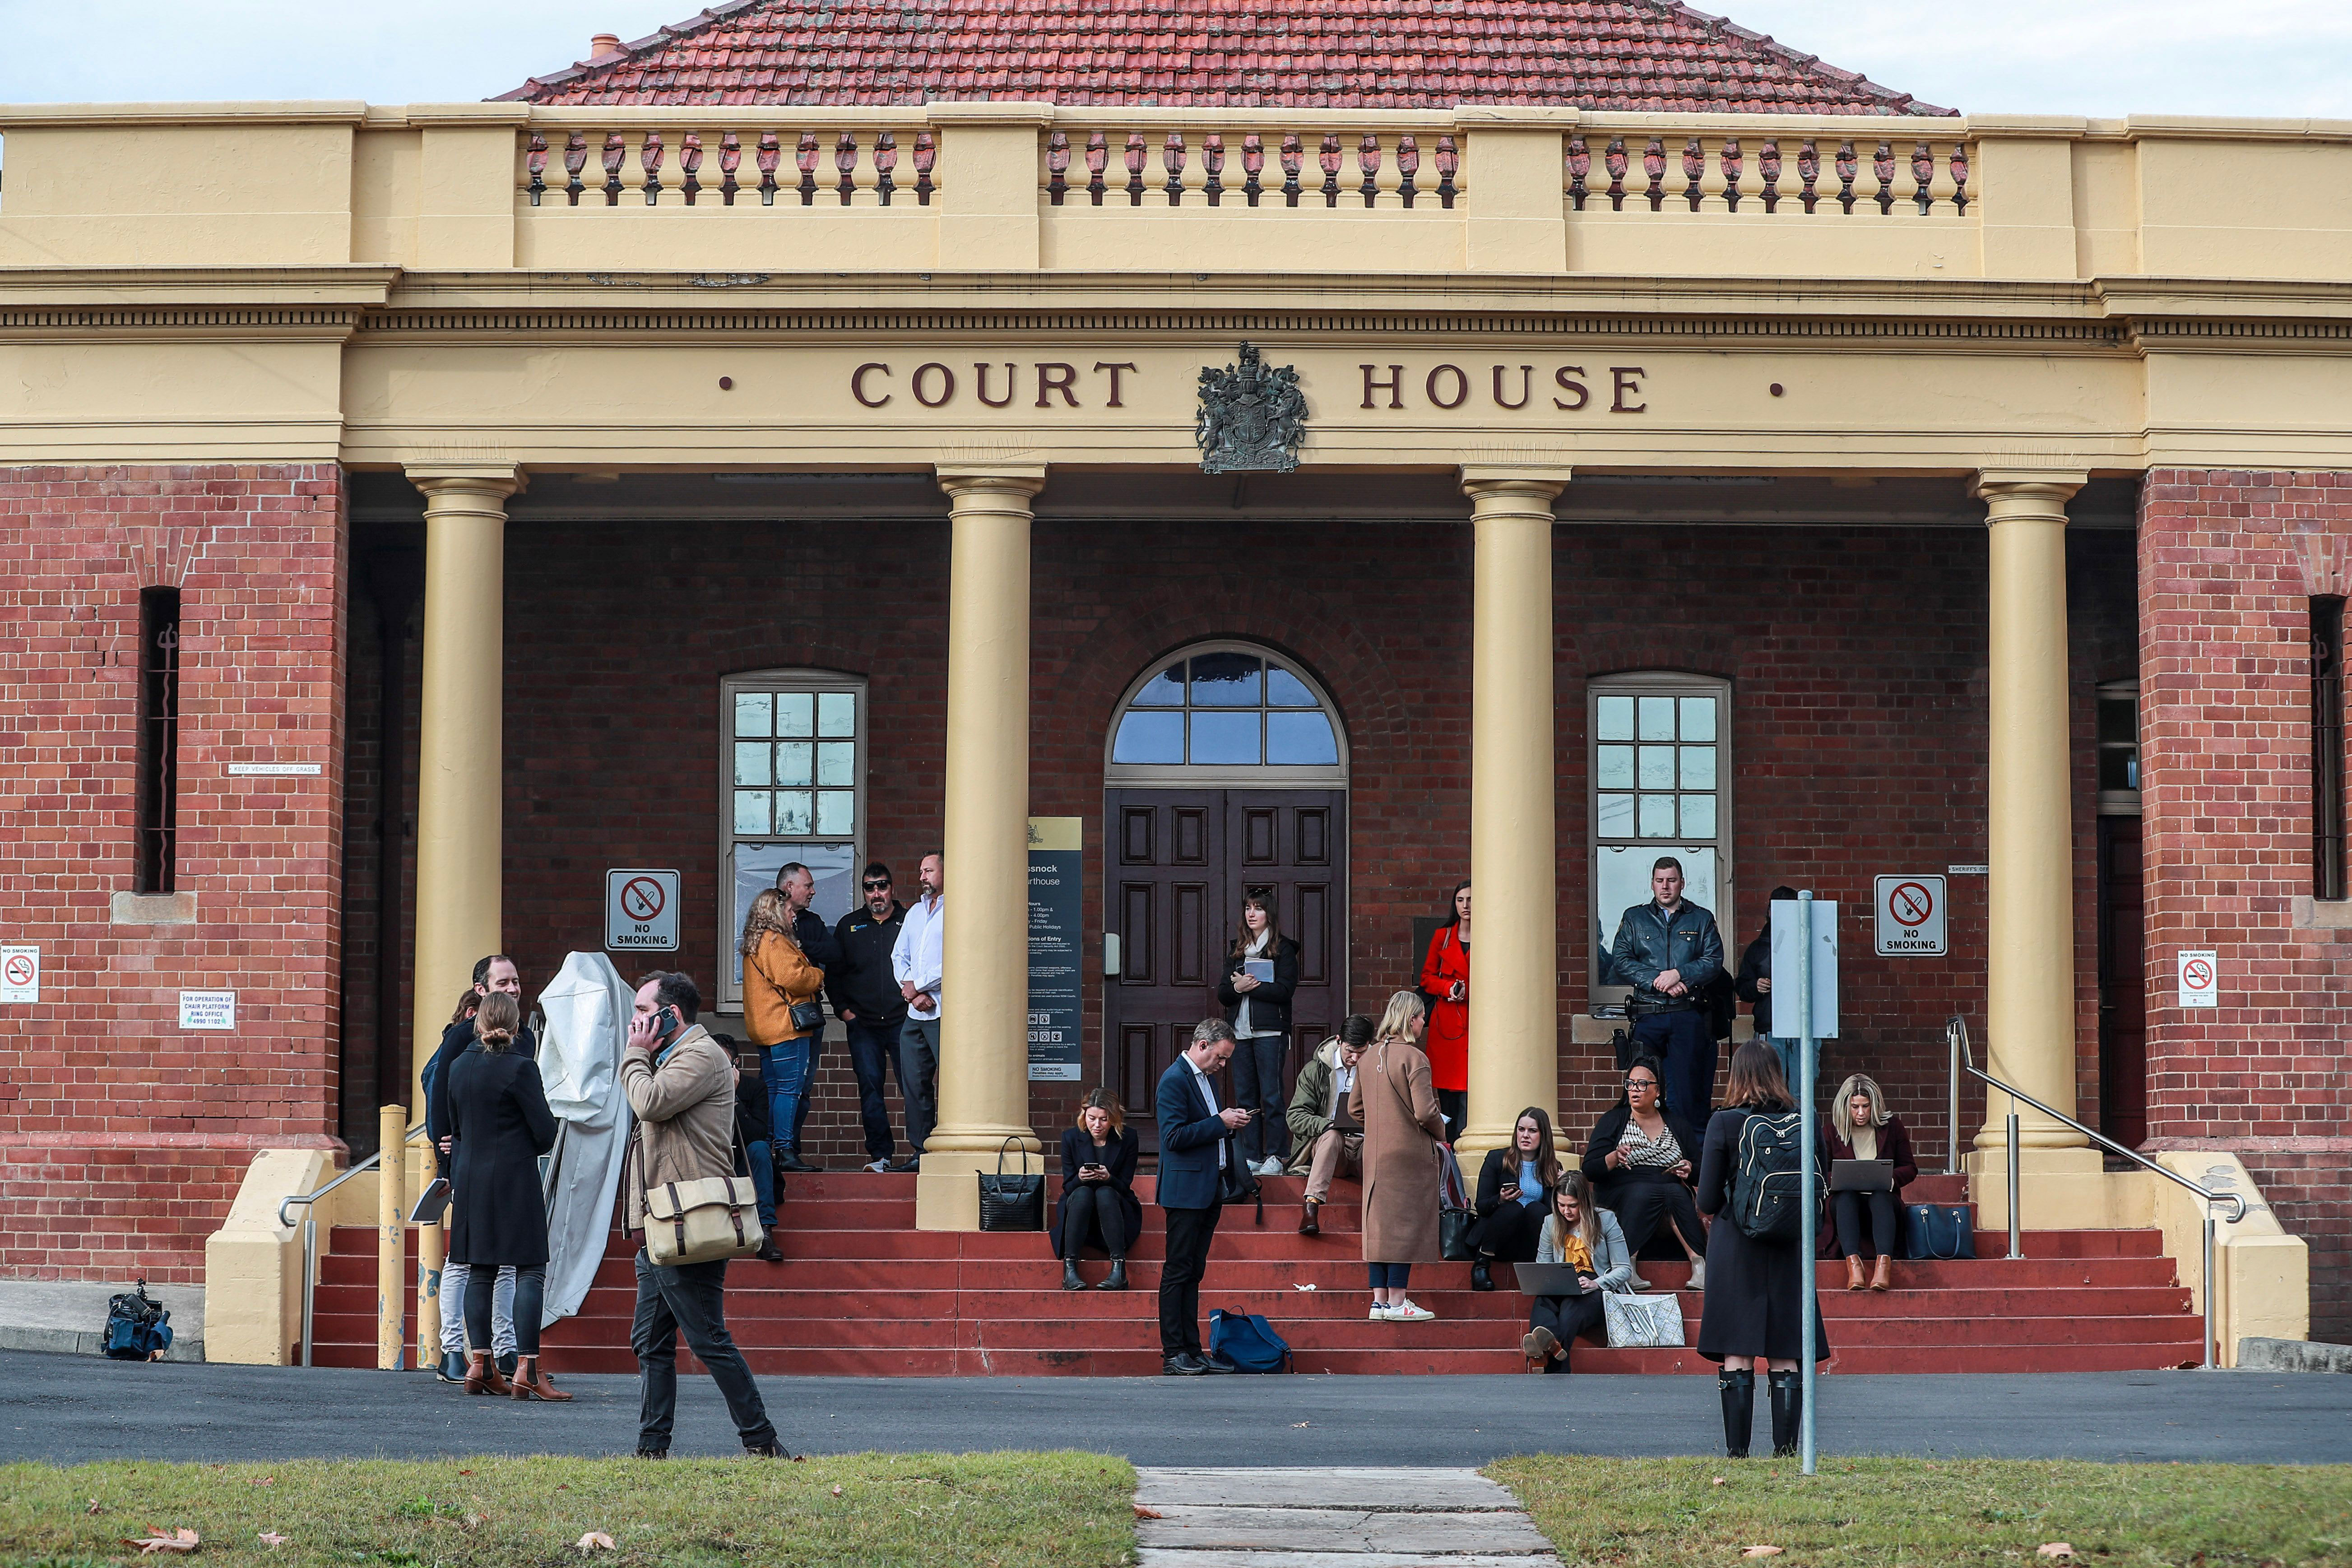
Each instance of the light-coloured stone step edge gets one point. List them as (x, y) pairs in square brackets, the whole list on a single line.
[(1185, 1557)]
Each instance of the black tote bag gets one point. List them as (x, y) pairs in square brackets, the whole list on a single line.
[(1012, 1203)]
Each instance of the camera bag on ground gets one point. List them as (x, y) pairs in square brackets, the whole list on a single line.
[(137, 1327)]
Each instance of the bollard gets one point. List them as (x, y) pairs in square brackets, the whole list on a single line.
[(390, 1271), (431, 1249)]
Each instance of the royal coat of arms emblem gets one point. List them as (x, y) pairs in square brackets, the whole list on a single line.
[(1252, 417)]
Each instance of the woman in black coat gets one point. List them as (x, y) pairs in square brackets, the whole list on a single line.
[(1258, 1007), (1514, 1189), (1754, 1288), (499, 1127), (1098, 1207), (1642, 1160)]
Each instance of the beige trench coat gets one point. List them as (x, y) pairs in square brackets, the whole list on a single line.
[(1398, 1106)]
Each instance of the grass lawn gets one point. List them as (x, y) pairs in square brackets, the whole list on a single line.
[(1882, 1513), (984, 1511)]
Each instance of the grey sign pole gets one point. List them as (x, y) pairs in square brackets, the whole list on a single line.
[(1809, 1211)]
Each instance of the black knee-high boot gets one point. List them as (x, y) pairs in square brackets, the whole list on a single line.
[(1787, 1396), (1739, 1391)]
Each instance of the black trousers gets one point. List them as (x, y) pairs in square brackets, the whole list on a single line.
[(1093, 1217), (1644, 1207), (1258, 1062), (1189, 1231), (1566, 1317), (1851, 1207), (1454, 1104), (530, 1305), (1510, 1234), (689, 1300), (1684, 1043)]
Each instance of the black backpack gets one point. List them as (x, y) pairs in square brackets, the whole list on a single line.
[(137, 1327), (1768, 1190)]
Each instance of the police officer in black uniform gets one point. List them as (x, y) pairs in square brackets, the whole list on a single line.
[(1670, 952)]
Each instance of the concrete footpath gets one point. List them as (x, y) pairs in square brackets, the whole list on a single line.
[(1404, 1518), (69, 1409)]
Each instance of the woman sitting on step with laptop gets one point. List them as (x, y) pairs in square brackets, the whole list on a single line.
[(1585, 1248), (1862, 1132)]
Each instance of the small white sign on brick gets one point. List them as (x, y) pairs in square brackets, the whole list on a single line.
[(20, 973), (208, 1009), (2200, 979)]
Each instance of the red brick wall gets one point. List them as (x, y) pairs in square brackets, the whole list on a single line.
[(121, 1137), (2228, 562), (1858, 731)]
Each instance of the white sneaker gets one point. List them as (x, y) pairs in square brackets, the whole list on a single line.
[(1406, 1313), (878, 1167), (1378, 1314), (1269, 1166)]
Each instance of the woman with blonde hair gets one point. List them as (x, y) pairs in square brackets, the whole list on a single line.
[(1098, 1207), (1860, 1127), (1397, 1107), (782, 1015)]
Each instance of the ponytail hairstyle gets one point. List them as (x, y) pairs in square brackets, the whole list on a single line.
[(498, 1022), (469, 1002)]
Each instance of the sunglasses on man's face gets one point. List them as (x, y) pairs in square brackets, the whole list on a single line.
[(876, 886)]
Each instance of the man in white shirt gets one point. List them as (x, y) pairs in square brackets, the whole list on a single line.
[(917, 959)]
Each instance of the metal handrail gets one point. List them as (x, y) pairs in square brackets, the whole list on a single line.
[(1956, 1034), (311, 1230)]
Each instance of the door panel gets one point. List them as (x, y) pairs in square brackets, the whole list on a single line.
[(2123, 984), (1185, 856)]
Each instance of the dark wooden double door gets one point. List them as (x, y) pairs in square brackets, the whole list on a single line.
[(1180, 861), (2123, 984)]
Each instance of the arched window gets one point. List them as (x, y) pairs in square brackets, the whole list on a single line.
[(1226, 712)]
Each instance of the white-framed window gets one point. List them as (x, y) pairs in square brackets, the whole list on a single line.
[(1659, 762), (792, 787), (1226, 713)]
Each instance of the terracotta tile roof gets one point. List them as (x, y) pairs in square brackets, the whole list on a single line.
[(1350, 53)]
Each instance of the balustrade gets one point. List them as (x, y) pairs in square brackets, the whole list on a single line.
[(1354, 168), (1837, 172), (847, 166)]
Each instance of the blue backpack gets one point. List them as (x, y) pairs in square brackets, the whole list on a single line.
[(137, 1327), (1247, 1341)]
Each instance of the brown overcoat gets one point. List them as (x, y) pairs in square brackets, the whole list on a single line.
[(1396, 1104)]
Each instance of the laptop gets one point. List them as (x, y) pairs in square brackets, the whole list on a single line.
[(1341, 1121), (1549, 1280), (1861, 1175)]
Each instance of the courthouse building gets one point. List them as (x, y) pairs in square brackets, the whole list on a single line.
[(1347, 449)]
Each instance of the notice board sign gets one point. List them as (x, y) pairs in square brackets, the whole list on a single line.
[(1910, 919), (640, 910), (1788, 936), (1056, 871), (208, 1009)]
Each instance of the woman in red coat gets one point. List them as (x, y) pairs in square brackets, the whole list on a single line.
[(1445, 977)]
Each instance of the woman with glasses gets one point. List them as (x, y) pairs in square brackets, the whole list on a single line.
[(1640, 1160)]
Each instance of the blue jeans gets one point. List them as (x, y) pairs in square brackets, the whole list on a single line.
[(763, 1180), (1389, 1276), (1788, 1050), (787, 1073), (872, 1047), (1684, 1043)]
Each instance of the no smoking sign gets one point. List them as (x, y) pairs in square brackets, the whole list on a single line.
[(1909, 916), (20, 973), (640, 910)]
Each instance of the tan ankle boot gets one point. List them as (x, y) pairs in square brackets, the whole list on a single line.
[(529, 1383), (482, 1375), (1883, 1276), (1853, 1280)]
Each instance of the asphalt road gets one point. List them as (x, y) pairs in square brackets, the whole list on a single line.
[(70, 1409)]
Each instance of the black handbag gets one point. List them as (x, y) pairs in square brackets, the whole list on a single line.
[(807, 1017), (1012, 1203), (1237, 1184)]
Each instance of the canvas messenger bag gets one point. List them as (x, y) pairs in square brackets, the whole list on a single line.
[(701, 1220)]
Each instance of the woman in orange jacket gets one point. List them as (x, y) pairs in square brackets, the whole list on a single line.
[(777, 978)]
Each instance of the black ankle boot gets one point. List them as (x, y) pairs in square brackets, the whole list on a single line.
[(1070, 1281), (1787, 1396), (1117, 1280), (1479, 1279), (1739, 1391)]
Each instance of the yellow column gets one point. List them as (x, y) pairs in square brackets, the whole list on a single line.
[(2029, 847), (460, 750), (1514, 950), (983, 1085)]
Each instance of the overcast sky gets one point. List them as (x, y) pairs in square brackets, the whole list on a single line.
[(2278, 57)]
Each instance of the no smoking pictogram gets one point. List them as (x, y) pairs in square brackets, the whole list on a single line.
[(642, 898), (1910, 903), (21, 969), (2197, 973), (2200, 979), (20, 973), (1910, 916), (640, 910)]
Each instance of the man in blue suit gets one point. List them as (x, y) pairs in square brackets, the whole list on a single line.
[(1195, 1146)]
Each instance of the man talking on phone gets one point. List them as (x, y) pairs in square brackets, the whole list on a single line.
[(681, 1089), (1196, 1145)]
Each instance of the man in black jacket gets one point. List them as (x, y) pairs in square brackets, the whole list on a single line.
[(866, 999)]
